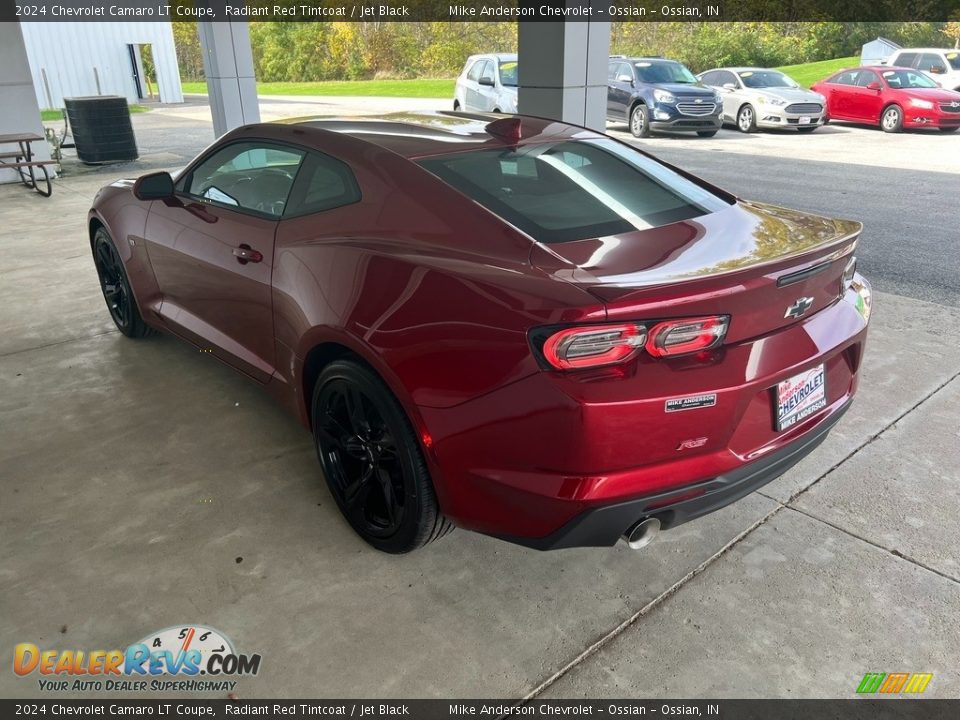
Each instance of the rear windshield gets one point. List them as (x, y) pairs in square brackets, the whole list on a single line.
[(572, 190)]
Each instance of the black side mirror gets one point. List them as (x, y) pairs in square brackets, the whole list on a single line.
[(488, 81), (155, 186)]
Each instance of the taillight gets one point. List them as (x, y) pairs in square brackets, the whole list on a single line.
[(679, 337), (593, 346)]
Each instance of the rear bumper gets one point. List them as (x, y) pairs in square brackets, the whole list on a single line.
[(556, 460), (603, 526)]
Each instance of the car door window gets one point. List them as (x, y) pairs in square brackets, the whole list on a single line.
[(728, 77), (906, 60), (324, 183), (930, 62), (486, 72), (866, 77), (251, 176), (612, 71), (624, 70), (845, 78), (474, 73), (712, 78)]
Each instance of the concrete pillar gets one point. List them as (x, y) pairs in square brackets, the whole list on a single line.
[(563, 70), (228, 65), (19, 112)]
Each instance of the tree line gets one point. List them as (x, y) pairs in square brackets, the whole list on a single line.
[(286, 51)]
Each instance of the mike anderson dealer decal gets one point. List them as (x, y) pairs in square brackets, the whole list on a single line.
[(690, 403)]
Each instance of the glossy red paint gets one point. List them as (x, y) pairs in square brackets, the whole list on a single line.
[(439, 296), (866, 101)]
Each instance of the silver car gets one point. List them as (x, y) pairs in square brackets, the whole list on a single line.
[(760, 98), (488, 83)]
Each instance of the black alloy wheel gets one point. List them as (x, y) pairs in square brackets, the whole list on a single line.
[(372, 461), (116, 287)]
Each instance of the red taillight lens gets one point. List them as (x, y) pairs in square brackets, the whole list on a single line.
[(679, 337), (593, 346)]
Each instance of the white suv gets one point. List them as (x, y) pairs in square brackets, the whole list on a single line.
[(488, 83), (941, 65)]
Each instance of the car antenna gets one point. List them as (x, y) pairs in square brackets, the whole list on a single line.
[(506, 128)]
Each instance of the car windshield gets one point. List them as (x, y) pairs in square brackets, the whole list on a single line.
[(663, 72), (765, 79), (906, 79), (508, 73), (573, 190), (954, 59)]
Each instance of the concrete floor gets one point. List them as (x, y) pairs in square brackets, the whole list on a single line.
[(145, 485)]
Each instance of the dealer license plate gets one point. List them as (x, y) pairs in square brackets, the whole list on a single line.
[(800, 396), (805, 120)]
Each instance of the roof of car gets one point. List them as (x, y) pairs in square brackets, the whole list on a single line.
[(744, 69), (417, 134), (925, 49), (498, 56)]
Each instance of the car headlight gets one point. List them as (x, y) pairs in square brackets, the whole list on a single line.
[(718, 98), (925, 104), (664, 96)]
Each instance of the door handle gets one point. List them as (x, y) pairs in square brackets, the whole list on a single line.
[(245, 254)]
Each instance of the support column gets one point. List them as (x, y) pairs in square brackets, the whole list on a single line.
[(563, 70), (228, 65), (19, 112)]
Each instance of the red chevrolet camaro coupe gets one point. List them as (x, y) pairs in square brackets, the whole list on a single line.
[(514, 325), (891, 97)]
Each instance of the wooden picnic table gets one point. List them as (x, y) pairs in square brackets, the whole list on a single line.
[(23, 162)]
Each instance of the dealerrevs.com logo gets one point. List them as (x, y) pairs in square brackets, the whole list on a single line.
[(184, 658)]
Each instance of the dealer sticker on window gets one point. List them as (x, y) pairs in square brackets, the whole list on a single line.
[(800, 396)]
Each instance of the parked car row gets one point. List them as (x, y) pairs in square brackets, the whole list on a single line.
[(658, 94)]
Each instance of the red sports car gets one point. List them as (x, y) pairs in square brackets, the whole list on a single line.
[(513, 325), (891, 97)]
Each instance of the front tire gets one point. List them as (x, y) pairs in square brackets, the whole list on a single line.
[(639, 122), (706, 133), (891, 119), (115, 287), (747, 119), (806, 129), (949, 129), (372, 461)]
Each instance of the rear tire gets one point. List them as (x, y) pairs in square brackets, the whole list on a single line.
[(949, 130), (747, 119), (639, 121), (891, 119), (372, 462), (115, 287)]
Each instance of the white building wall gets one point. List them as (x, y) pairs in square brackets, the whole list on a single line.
[(76, 56)]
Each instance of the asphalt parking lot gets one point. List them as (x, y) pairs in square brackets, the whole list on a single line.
[(144, 485)]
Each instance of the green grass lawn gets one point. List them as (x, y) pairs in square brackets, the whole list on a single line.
[(805, 74), (423, 88), (58, 114), (809, 73)]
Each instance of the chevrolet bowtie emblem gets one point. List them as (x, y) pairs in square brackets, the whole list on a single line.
[(799, 307)]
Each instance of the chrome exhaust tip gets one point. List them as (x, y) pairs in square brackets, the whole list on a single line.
[(642, 534)]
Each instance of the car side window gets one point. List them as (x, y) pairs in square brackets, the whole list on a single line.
[(728, 77), (930, 62), (711, 78), (845, 78), (866, 77), (474, 73), (254, 176), (486, 71), (906, 60), (625, 70), (612, 71), (324, 183)]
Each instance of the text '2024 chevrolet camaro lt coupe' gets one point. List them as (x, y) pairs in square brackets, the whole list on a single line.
[(514, 325)]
